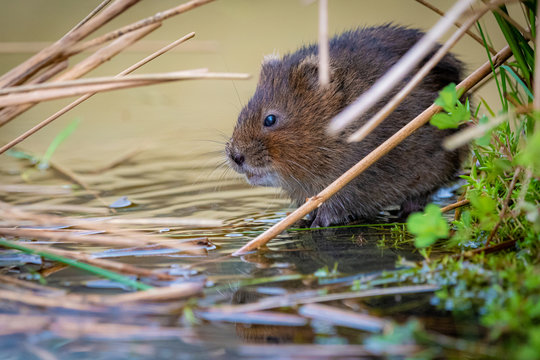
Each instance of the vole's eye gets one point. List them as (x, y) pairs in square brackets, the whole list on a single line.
[(270, 120)]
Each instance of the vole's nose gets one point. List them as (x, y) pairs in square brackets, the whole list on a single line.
[(238, 159)]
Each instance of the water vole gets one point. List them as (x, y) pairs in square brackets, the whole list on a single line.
[(281, 136)]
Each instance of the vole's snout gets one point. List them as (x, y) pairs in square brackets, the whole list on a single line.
[(237, 158)]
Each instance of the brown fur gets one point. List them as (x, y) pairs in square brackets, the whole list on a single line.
[(299, 156)]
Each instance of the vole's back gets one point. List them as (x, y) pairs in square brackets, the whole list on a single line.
[(303, 159)]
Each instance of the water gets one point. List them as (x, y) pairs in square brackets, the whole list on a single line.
[(178, 131)]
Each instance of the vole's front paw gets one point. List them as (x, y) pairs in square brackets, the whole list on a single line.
[(322, 219)]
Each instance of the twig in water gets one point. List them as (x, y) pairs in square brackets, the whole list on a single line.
[(341, 317), (312, 203), (454, 205), (67, 236)]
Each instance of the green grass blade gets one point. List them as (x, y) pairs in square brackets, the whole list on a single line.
[(510, 37), (63, 135), (504, 102), (83, 266), (519, 81)]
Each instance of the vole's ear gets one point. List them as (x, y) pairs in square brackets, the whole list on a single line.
[(271, 58), (269, 67), (306, 74)]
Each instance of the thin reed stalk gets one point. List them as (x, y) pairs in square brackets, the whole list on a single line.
[(475, 37), (85, 66), (29, 67), (85, 97), (393, 76), (51, 91), (314, 202), (324, 56), (158, 17)]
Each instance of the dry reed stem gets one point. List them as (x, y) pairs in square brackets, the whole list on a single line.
[(102, 263), (346, 318), (72, 88), (85, 97), (314, 202), (27, 298), (326, 351), (486, 250), (6, 114), (476, 38), (398, 71), (89, 16), (397, 99), (324, 56), (455, 205), (309, 297), (26, 324), (74, 83), (142, 46), (160, 16), (173, 292), (35, 189), (81, 325), (255, 317), (85, 66), (10, 212), (28, 285), (53, 52), (104, 240), (113, 331)]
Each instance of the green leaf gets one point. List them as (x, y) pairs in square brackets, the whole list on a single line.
[(447, 97), (519, 81), (428, 227), (444, 121), (461, 113)]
